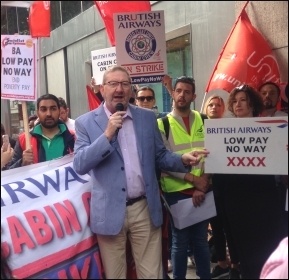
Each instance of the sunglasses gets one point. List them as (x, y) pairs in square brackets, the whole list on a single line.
[(143, 98)]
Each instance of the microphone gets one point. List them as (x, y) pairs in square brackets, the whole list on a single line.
[(118, 107)]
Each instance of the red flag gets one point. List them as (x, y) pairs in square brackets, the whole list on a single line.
[(93, 100), (246, 59), (108, 8), (39, 19)]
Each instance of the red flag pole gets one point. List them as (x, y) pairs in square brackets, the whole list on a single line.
[(38, 67), (222, 51)]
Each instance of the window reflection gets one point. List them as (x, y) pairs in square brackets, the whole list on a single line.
[(55, 14), (179, 58), (12, 20), (69, 10), (23, 21), (4, 24), (86, 5)]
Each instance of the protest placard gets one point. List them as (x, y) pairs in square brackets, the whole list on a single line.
[(19, 67), (141, 45), (102, 60), (185, 214), (247, 145)]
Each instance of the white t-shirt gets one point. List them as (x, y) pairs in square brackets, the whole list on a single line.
[(70, 124)]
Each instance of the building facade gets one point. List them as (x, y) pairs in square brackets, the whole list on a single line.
[(196, 32)]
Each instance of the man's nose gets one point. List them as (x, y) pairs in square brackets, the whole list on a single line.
[(119, 86), (48, 112)]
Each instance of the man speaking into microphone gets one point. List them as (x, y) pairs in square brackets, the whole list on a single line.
[(120, 145)]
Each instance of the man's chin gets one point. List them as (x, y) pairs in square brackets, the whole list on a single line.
[(49, 125)]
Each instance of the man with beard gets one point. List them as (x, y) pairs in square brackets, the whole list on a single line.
[(184, 133), (270, 93), (50, 138)]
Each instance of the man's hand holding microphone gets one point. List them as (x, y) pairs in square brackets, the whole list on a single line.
[(115, 122)]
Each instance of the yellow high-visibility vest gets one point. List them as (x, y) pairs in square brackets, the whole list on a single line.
[(180, 142)]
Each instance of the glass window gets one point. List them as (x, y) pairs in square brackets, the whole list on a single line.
[(55, 14), (4, 24), (86, 5), (69, 10), (23, 21), (179, 60), (177, 52), (12, 20)]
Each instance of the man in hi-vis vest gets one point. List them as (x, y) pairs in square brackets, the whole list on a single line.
[(182, 131)]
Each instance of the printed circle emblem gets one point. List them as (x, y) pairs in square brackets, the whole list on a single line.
[(140, 44), (29, 43)]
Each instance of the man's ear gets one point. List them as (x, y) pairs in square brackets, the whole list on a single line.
[(101, 89), (194, 97)]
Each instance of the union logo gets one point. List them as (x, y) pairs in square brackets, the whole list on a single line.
[(140, 44)]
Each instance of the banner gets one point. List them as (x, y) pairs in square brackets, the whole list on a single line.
[(108, 8), (18, 67), (247, 145), (45, 211), (246, 59), (39, 19)]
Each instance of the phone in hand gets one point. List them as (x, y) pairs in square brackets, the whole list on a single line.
[(5, 139)]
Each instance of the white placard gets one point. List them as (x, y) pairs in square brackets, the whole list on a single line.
[(141, 45), (101, 60), (247, 145), (18, 67), (185, 214)]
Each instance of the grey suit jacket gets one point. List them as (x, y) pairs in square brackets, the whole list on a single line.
[(103, 160)]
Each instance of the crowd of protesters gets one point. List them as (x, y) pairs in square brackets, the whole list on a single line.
[(251, 218)]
